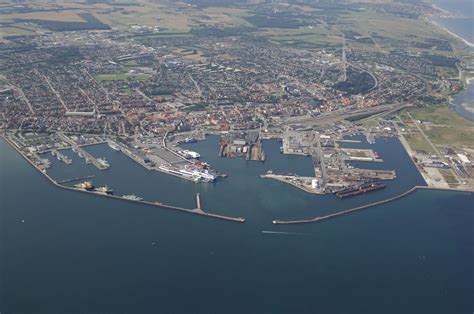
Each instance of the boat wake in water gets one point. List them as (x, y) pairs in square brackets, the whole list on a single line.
[(283, 232)]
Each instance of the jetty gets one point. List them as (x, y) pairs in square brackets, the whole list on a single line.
[(198, 201), (84, 154), (196, 211), (75, 179), (61, 157), (359, 208)]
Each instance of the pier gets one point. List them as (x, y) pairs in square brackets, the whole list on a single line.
[(89, 158), (198, 201), (84, 154), (75, 179), (351, 210), (61, 157), (156, 204), (348, 141)]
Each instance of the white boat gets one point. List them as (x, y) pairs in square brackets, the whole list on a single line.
[(114, 146), (189, 154), (203, 175), (103, 162), (132, 197)]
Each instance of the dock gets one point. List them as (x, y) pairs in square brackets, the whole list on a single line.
[(61, 157), (84, 154), (348, 141), (76, 179), (198, 201)]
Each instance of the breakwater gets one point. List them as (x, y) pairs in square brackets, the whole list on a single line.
[(358, 208)]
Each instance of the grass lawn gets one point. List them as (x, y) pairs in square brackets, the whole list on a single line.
[(460, 131), (111, 77), (417, 142)]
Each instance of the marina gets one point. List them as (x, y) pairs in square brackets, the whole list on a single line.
[(61, 157), (99, 163), (88, 187)]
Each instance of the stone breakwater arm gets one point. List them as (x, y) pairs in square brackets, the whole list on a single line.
[(351, 210)]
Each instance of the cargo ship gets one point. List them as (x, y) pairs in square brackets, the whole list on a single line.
[(86, 185), (364, 188), (104, 190)]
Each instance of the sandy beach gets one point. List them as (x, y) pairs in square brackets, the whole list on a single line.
[(468, 43)]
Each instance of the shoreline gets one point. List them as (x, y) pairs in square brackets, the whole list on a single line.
[(463, 108), (444, 28), (448, 14)]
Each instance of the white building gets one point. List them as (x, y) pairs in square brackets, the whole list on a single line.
[(464, 160)]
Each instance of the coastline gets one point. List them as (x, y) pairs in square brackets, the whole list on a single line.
[(463, 108), (444, 28)]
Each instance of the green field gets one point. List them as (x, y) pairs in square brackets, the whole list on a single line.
[(448, 128), (418, 143)]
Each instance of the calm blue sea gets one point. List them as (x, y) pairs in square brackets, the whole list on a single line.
[(463, 25), (463, 22)]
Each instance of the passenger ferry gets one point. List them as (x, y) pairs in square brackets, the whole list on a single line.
[(189, 154)]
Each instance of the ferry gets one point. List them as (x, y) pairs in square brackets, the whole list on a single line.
[(196, 175), (114, 146), (189, 154), (203, 175)]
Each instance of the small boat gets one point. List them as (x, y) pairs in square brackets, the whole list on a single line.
[(132, 197)]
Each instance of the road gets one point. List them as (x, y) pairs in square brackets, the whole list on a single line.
[(441, 156), (331, 117)]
